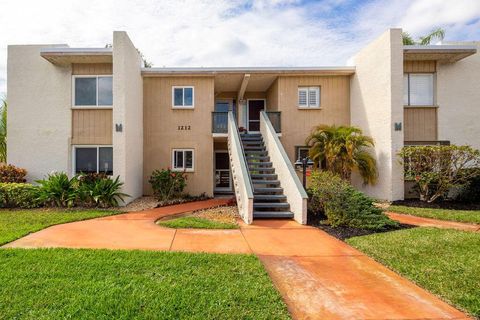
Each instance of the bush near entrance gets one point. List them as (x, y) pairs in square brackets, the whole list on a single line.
[(344, 206)]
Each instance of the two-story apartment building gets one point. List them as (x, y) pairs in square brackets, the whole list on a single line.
[(98, 110)]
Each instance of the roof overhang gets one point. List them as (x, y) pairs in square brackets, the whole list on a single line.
[(66, 56), (287, 71), (442, 53)]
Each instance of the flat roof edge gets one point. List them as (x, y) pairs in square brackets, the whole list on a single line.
[(76, 51), (439, 48), (215, 70)]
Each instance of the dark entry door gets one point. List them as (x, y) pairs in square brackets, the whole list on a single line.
[(254, 108)]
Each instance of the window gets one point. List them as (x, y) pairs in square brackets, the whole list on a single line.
[(93, 159), (182, 159), (92, 91), (182, 97), (418, 89), (309, 97), (301, 151)]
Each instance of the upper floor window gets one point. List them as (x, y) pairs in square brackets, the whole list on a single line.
[(309, 97), (182, 97), (418, 89), (93, 91)]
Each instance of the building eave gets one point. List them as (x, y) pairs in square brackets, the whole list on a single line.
[(67, 56), (212, 71), (442, 53)]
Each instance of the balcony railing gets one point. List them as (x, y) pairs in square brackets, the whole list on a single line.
[(275, 119), (219, 122)]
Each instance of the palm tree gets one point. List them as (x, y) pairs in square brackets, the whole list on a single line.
[(3, 131), (343, 149), (437, 33)]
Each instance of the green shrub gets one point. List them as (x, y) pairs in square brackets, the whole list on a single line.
[(470, 192), (18, 195), (344, 206), (438, 169), (98, 189), (10, 173), (58, 190), (167, 184)]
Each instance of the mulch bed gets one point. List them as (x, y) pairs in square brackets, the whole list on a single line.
[(343, 233), (446, 204)]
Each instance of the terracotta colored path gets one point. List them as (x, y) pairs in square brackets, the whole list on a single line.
[(428, 222), (318, 276)]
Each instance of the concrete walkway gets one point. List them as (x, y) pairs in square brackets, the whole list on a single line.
[(318, 276), (428, 222)]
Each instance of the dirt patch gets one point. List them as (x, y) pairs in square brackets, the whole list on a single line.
[(227, 214), (438, 205), (142, 203)]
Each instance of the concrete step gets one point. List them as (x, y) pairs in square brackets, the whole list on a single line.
[(267, 190), (256, 153), (269, 197), (266, 182), (264, 176), (273, 214), (253, 148), (271, 205), (257, 164), (261, 170), (266, 158)]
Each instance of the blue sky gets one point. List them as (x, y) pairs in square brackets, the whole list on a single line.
[(231, 33)]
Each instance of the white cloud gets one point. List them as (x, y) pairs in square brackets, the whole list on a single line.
[(222, 32)]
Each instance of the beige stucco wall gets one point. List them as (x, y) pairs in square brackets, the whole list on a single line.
[(298, 123), (39, 125), (162, 134), (128, 111), (458, 98), (376, 103)]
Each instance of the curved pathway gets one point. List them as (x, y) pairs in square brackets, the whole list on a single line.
[(428, 222), (318, 276)]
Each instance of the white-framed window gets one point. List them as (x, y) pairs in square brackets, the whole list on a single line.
[(418, 89), (302, 152), (92, 91), (183, 160), (92, 159), (183, 97), (309, 97)]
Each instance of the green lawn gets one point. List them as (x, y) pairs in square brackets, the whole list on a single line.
[(15, 224), (471, 216), (196, 223), (445, 262), (108, 284)]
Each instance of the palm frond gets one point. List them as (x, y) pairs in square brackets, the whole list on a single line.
[(437, 33), (407, 39)]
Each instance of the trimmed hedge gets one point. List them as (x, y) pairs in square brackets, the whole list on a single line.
[(344, 206), (18, 195)]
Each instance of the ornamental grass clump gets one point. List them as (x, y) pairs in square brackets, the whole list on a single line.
[(334, 199)]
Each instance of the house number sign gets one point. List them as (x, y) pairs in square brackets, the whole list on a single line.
[(182, 128)]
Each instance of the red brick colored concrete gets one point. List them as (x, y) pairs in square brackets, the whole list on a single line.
[(213, 241), (135, 230), (427, 222), (318, 276)]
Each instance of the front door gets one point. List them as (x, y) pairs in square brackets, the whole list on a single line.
[(223, 181), (254, 108)]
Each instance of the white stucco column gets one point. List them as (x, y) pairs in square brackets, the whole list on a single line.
[(127, 112)]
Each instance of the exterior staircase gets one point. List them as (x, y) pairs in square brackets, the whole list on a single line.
[(268, 198)]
